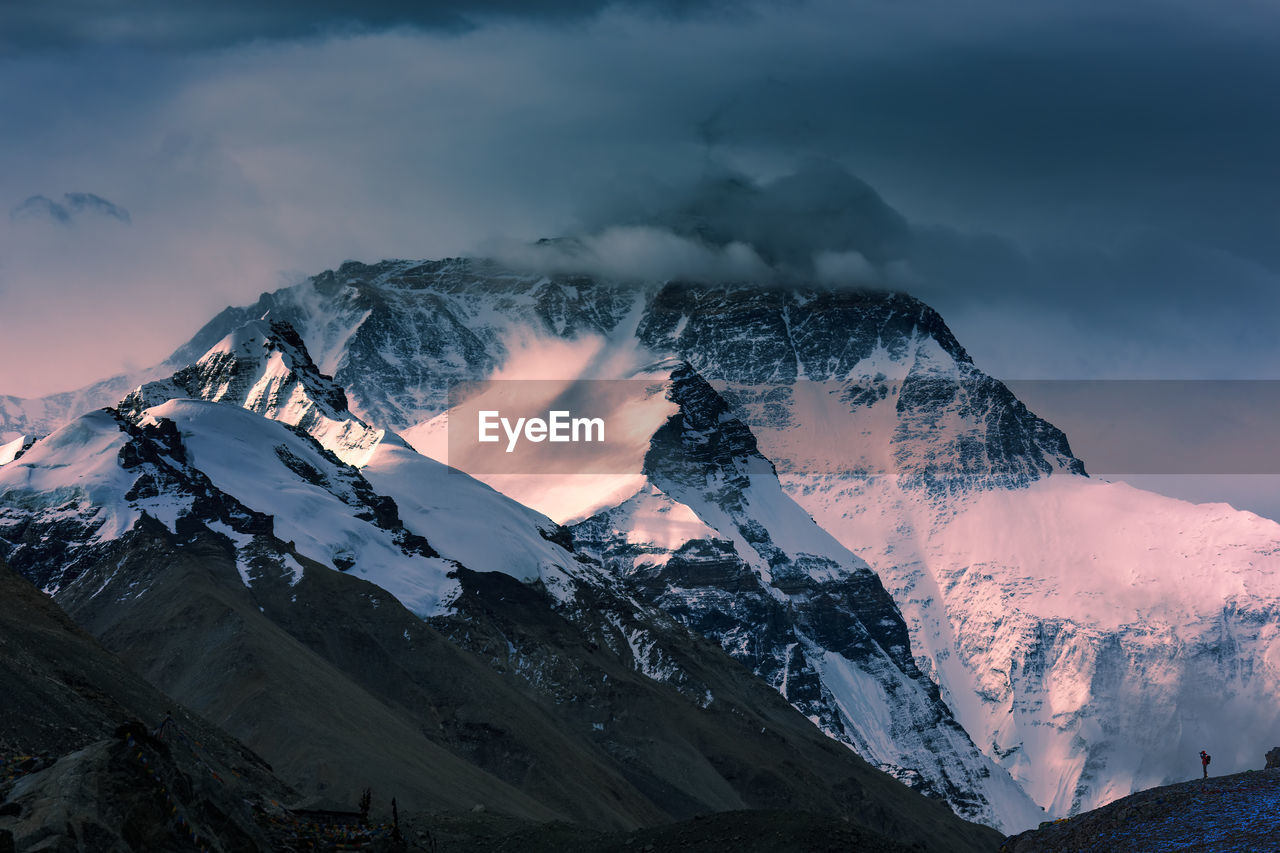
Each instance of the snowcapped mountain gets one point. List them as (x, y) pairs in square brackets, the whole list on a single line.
[(216, 498), (173, 452), (1091, 637), (1086, 636), (34, 416), (264, 366), (713, 540)]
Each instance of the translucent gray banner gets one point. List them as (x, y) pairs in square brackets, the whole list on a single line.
[(1117, 427)]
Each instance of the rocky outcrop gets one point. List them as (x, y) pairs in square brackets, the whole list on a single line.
[(130, 794), (93, 778), (1227, 814)]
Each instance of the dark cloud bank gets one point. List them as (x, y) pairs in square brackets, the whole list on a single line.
[(1069, 308), (1082, 191), (169, 26)]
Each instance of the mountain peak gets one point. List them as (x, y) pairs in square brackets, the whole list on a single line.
[(263, 366), (257, 364)]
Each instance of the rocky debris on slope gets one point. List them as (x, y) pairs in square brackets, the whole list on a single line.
[(72, 774), (703, 740), (62, 690), (1227, 814), (130, 793), (292, 667)]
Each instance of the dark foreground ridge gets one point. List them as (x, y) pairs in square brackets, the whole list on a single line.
[(1216, 815), (79, 771), (762, 831), (81, 782)]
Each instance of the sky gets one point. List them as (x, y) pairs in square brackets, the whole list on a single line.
[(1084, 191)]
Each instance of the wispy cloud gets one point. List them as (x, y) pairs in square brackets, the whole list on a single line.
[(73, 205)]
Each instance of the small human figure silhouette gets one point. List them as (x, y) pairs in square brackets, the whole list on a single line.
[(1204, 763), (165, 726)]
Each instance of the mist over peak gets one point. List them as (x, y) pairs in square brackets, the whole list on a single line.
[(819, 207), (817, 224)]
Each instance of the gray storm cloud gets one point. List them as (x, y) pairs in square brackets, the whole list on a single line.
[(640, 253), (1082, 190), (818, 223), (163, 25), (819, 207)]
